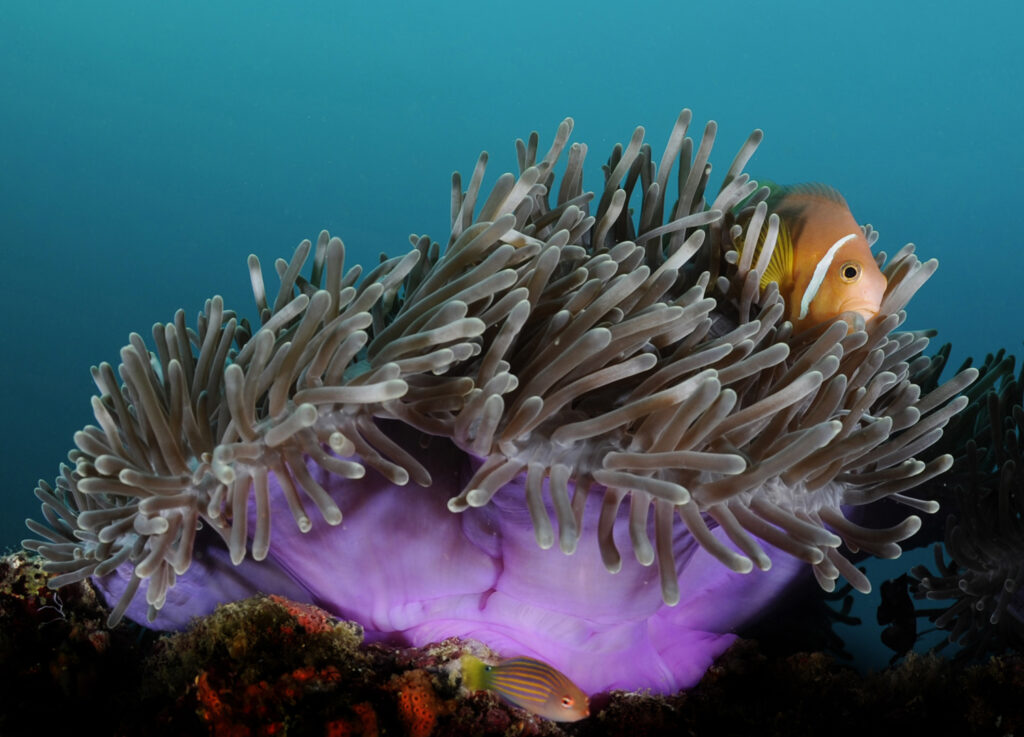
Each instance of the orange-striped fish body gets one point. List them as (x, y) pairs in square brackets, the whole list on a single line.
[(529, 684), (822, 262)]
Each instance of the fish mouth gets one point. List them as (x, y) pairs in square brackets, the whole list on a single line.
[(867, 310), (857, 314)]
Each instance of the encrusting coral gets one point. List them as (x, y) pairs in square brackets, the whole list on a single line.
[(625, 364)]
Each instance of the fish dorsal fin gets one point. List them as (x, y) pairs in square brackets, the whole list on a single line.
[(815, 190)]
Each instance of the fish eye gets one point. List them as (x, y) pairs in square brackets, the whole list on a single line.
[(850, 271), (567, 702)]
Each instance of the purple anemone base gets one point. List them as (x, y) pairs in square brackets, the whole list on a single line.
[(412, 572)]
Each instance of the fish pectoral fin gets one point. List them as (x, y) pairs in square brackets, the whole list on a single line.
[(780, 265)]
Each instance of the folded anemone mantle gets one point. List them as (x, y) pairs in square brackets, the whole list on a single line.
[(471, 440)]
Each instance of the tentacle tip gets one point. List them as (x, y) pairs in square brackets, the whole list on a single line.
[(889, 552), (912, 524), (341, 444), (742, 565), (477, 498)]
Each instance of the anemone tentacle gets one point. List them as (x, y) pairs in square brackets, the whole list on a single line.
[(984, 532)]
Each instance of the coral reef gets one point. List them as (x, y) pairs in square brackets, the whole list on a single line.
[(268, 666), (56, 648)]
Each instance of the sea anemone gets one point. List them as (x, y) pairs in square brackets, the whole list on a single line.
[(984, 532), (620, 375)]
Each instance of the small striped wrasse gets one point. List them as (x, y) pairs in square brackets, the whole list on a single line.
[(529, 684)]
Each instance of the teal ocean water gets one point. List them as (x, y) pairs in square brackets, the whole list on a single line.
[(146, 150)]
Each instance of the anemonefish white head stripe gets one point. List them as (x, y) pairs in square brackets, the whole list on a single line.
[(818, 277)]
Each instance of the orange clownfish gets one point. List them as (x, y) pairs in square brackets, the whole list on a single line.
[(822, 262)]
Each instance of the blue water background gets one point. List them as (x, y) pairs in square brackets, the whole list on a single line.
[(146, 150)]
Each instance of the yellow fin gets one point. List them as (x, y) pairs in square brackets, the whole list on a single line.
[(780, 267)]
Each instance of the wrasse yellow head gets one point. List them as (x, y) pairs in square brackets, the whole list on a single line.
[(529, 684), (822, 262)]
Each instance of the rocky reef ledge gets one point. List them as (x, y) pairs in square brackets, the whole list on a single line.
[(269, 666)]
